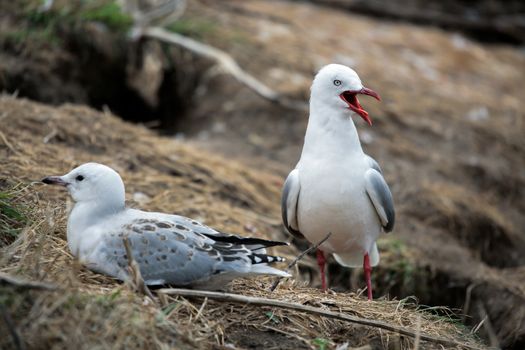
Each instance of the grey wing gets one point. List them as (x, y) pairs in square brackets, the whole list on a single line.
[(373, 164), (170, 252), (381, 197), (167, 253), (289, 203)]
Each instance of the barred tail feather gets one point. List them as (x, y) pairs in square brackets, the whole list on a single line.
[(265, 259)]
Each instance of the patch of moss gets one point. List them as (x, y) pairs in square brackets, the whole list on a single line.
[(13, 216), (400, 274), (44, 27), (321, 343), (398, 250), (108, 13)]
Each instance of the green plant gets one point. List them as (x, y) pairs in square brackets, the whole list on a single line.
[(108, 13), (44, 27), (321, 343), (12, 216), (272, 317), (402, 268)]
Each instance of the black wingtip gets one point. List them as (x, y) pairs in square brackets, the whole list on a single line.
[(389, 227), (276, 243), (295, 233), (245, 240)]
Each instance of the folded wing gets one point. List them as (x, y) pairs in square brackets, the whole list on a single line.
[(289, 200), (380, 195), (171, 252)]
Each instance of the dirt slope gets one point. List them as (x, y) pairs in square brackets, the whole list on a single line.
[(91, 310)]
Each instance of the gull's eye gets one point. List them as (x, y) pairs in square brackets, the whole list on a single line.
[(79, 178), (337, 82)]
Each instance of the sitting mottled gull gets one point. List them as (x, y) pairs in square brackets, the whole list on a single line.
[(169, 249), (336, 188)]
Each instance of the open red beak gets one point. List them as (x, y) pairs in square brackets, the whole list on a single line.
[(350, 97)]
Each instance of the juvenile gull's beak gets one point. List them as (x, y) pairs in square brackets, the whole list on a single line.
[(54, 180)]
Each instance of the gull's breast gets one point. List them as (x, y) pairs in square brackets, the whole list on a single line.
[(333, 199)]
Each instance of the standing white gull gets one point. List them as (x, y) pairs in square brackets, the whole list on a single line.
[(336, 187), (169, 249)]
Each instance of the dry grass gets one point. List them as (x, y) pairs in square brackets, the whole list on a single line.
[(94, 311), (91, 310)]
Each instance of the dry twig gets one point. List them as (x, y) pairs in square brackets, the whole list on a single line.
[(226, 63), (299, 257), (235, 298), (173, 10), (8, 144), (493, 337), (134, 269), (167, 12), (22, 283), (418, 334)]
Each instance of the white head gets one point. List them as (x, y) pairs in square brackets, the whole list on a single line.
[(92, 182), (338, 86)]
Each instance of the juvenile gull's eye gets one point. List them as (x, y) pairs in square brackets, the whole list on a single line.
[(79, 178), (337, 82)]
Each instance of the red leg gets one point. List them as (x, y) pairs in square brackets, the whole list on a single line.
[(368, 270), (321, 261)]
